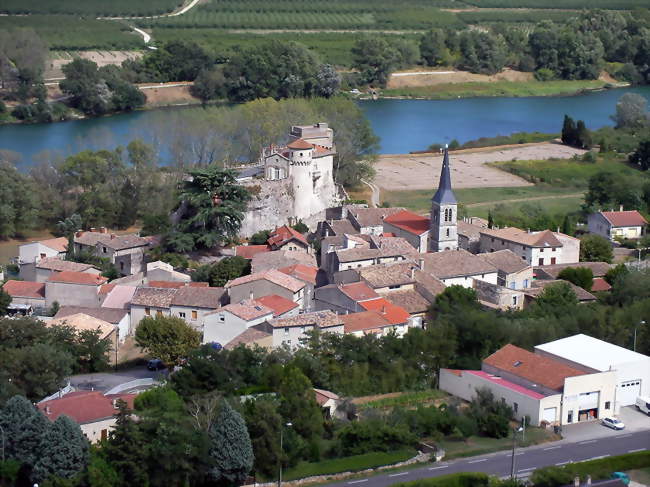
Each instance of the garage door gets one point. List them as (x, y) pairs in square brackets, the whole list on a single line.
[(588, 400), (628, 391), (550, 414)]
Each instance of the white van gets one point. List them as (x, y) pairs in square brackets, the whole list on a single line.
[(643, 404)]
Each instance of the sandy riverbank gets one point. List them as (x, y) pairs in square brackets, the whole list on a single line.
[(397, 172)]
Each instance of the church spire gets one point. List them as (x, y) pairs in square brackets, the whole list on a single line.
[(445, 195)]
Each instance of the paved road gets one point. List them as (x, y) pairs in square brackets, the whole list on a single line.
[(107, 380), (526, 461)]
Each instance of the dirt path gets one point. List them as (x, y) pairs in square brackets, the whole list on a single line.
[(374, 197), (469, 167), (519, 200), (181, 11)]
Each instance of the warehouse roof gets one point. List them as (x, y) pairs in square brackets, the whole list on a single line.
[(591, 352)]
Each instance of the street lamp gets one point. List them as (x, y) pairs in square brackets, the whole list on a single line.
[(282, 451), (514, 446), (642, 322)]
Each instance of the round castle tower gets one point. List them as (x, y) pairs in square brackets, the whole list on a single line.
[(301, 153)]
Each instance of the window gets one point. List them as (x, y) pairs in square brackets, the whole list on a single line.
[(181, 314), (607, 404), (482, 276), (104, 249), (447, 232), (147, 311), (158, 312), (121, 266), (553, 249), (541, 250), (222, 318), (286, 330), (195, 314), (104, 435), (395, 286), (525, 282), (553, 259), (541, 261), (514, 300), (513, 285), (42, 256)]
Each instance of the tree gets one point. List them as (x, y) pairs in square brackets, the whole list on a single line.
[(264, 422), (453, 299), (641, 156), (631, 111), (300, 227), (220, 273), (298, 404), (555, 297), (19, 202), (209, 84), (230, 448), (583, 138), (580, 276), (375, 58), (482, 52), (22, 429), (64, 451), (434, 49), (595, 248), (67, 228), (329, 80), (125, 449), (615, 273), (492, 416), (167, 337), (5, 301), (212, 206), (567, 225), (259, 238)]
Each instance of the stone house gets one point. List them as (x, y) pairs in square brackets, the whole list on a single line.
[(150, 302), (70, 288), (162, 271), (343, 298), (410, 226), (119, 318), (617, 224), (193, 304), (25, 293), (370, 221), (494, 296), (92, 410), (42, 269), (32, 252), (469, 233), (458, 267), (308, 274), (513, 271), (289, 331), (125, 252), (536, 248), (228, 322), (285, 237), (265, 283)]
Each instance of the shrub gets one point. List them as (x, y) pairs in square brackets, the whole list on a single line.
[(465, 479), (544, 74), (372, 435)]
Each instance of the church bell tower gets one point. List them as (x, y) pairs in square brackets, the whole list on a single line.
[(443, 232)]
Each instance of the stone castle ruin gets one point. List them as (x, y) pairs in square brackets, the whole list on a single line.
[(292, 182)]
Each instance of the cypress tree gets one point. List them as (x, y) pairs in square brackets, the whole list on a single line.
[(64, 451), (569, 133), (583, 137), (28, 441), (230, 447)]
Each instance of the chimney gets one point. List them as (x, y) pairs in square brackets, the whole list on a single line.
[(576, 481), (48, 410), (588, 480), (412, 272), (93, 229), (114, 403), (383, 309), (250, 295), (103, 230), (528, 230), (620, 208), (421, 264), (558, 229)]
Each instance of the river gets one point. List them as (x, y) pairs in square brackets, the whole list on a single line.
[(402, 125)]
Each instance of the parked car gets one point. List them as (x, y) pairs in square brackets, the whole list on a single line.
[(643, 404), (155, 364), (613, 423)]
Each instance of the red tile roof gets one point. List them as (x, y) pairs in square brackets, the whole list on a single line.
[(504, 383), (249, 251), (283, 234), (106, 288), (25, 289), (409, 221), (278, 304), (84, 406), (532, 367), (272, 275), (59, 244), (364, 321), (70, 277), (358, 291), (303, 272), (177, 284), (630, 218), (300, 144), (396, 315), (600, 284)]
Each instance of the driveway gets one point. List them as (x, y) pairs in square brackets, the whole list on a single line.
[(633, 419), (107, 380)]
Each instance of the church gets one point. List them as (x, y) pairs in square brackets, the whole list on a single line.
[(443, 227)]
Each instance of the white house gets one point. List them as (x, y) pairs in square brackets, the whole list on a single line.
[(34, 251), (458, 267), (586, 353), (289, 331), (617, 224), (224, 324), (536, 248)]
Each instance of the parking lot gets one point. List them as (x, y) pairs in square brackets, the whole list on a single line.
[(633, 419)]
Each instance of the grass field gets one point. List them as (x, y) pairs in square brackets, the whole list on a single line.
[(519, 16), (348, 464), (560, 4), (497, 88), (68, 32), (405, 400), (92, 8), (478, 445)]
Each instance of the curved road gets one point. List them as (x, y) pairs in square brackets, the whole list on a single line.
[(526, 460)]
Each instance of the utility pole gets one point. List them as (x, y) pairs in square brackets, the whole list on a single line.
[(514, 447), (282, 451)]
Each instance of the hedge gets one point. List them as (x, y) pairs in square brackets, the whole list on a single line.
[(465, 479), (598, 469)]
